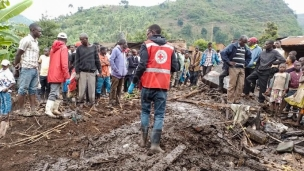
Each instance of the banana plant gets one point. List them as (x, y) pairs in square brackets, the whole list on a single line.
[(7, 36)]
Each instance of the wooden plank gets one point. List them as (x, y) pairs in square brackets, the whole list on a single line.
[(172, 156)]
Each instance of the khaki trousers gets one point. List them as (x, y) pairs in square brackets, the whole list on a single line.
[(236, 84), (87, 79), (116, 86)]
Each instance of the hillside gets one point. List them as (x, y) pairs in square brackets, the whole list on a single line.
[(182, 19), (20, 19), (300, 19)]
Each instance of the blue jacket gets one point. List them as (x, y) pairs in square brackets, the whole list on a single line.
[(230, 51), (214, 59), (255, 53)]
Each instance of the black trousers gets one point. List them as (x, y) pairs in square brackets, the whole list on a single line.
[(249, 87), (224, 74), (263, 77), (127, 82), (193, 77), (206, 70), (45, 87)]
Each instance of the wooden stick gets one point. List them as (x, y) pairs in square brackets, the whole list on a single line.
[(38, 136), (28, 128), (274, 138), (246, 134), (37, 121)]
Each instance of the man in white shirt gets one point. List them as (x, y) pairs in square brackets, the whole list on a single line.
[(279, 48), (28, 80), (44, 61)]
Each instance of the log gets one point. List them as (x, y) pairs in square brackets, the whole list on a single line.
[(256, 136), (187, 95), (294, 133), (173, 155)]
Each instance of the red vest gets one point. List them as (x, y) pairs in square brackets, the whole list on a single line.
[(157, 74)]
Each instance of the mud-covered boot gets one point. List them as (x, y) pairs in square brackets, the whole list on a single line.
[(155, 141), (48, 108), (56, 107), (144, 136)]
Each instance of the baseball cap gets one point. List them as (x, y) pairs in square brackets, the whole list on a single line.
[(5, 62), (253, 39), (62, 35)]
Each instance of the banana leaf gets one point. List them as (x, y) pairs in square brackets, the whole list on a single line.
[(6, 43), (8, 35), (14, 10), (3, 51)]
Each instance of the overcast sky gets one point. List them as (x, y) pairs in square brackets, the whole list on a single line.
[(55, 8)]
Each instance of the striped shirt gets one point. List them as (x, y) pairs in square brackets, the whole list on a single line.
[(239, 58), (31, 52)]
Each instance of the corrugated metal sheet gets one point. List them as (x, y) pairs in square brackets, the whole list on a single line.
[(293, 41)]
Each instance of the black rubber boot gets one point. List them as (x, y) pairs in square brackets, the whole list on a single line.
[(64, 98), (155, 141), (144, 136)]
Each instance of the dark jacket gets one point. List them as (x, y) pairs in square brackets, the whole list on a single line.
[(230, 51), (87, 59), (144, 56), (133, 63)]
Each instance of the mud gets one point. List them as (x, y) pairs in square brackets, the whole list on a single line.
[(194, 138)]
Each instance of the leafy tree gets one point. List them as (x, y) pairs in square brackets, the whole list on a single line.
[(50, 30), (220, 37), (270, 33), (204, 32), (180, 22), (187, 30), (202, 44)]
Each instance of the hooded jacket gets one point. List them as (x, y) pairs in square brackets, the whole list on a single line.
[(144, 56), (59, 66)]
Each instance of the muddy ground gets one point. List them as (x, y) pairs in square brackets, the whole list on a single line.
[(107, 140)]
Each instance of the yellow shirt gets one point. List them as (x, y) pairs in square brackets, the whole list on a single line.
[(45, 62)]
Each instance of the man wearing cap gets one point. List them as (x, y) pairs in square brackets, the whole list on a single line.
[(28, 50), (7, 81), (255, 53), (58, 73)]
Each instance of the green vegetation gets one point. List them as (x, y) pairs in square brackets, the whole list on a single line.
[(9, 34), (50, 30), (220, 21), (300, 19)]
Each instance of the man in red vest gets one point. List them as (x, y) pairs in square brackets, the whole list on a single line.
[(157, 61)]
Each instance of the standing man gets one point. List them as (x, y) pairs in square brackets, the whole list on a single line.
[(255, 54), (195, 66), (236, 57), (279, 48), (209, 58), (44, 61), (157, 62), (118, 63), (267, 58), (180, 54), (103, 78), (28, 80), (87, 64), (58, 73)]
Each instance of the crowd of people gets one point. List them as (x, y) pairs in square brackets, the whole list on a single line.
[(87, 72)]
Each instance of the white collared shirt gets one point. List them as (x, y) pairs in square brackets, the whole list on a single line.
[(31, 52)]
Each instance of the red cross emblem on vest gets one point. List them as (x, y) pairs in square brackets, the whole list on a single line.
[(161, 56)]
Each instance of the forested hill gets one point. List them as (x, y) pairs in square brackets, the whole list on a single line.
[(301, 20), (182, 19)]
